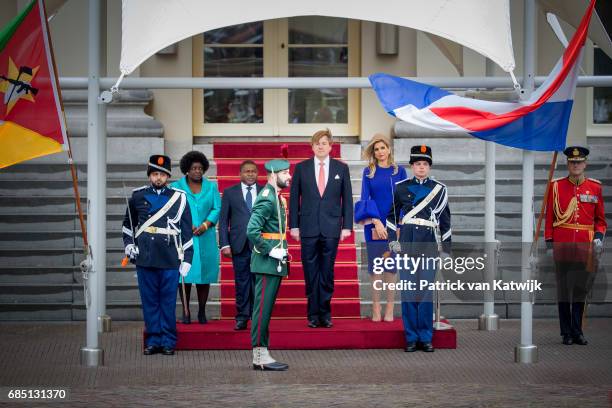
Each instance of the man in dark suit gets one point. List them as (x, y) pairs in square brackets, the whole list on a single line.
[(236, 206), (321, 215)]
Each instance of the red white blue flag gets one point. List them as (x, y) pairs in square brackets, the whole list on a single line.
[(537, 123)]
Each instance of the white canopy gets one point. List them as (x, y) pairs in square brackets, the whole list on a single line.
[(151, 25)]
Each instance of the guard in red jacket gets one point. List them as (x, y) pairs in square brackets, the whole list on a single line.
[(575, 230)]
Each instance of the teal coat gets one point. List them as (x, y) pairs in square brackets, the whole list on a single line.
[(204, 206)]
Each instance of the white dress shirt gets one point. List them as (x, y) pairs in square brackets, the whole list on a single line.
[(325, 166), (253, 192)]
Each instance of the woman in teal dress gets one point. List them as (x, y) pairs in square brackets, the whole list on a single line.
[(205, 205)]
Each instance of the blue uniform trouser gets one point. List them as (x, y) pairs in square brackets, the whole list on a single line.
[(417, 305), (158, 295), (417, 308)]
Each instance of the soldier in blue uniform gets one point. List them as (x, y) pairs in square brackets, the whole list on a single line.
[(157, 235), (420, 209)]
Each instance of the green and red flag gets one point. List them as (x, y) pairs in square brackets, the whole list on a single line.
[(31, 117)]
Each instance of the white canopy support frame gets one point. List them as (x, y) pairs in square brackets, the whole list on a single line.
[(457, 83)]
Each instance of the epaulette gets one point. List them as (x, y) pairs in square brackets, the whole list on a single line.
[(401, 181), (139, 188), (595, 180), (266, 192), (557, 179)]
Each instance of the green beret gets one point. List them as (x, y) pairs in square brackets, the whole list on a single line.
[(276, 165)]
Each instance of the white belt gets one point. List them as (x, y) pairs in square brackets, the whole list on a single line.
[(163, 231), (419, 221)]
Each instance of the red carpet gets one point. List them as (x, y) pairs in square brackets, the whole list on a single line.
[(293, 334)]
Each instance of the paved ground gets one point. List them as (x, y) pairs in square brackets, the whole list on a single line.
[(480, 373)]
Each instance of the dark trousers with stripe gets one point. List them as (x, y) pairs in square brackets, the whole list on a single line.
[(244, 280), (158, 295), (318, 258), (573, 285), (266, 289)]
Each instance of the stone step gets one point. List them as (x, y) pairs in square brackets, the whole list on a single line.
[(33, 171), (116, 203), (124, 187), (132, 311), (49, 222)]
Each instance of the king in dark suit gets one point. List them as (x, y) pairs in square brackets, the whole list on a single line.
[(236, 206), (321, 215)]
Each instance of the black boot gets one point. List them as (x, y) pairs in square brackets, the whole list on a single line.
[(186, 318), (202, 316), (580, 340), (411, 346), (203, 290), (428, 347)]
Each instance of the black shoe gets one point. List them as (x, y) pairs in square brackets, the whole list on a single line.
[(168, 351), (275, 366), (313, 323), (428, 347), (202, 317), (150, 350), (240, 325), (410, 347), (567, 340), (580, 340), (327, 323), (186, 319)]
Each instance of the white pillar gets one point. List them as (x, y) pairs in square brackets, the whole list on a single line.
[(489, 320), (92, 355), (104, 321), (526, 351)]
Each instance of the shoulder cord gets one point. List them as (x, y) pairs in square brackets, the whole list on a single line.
[(562, 217)]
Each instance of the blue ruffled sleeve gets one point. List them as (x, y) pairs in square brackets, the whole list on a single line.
[(365, 208)]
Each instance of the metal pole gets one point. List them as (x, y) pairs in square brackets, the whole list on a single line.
[(92, 355), (526, 351), (104, 320), (489, 320), (312, 82)]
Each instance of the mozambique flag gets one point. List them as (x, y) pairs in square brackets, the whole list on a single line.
[(31, 117)]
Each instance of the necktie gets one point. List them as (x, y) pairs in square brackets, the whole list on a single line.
[(249, 198), (321, 180)]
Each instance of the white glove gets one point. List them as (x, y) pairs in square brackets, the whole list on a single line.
[(278, 253), (598, 244), (131, 251), (184, 268)]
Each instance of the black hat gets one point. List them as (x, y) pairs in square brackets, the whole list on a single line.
[(159, 162), (420, 152), (576, 153)]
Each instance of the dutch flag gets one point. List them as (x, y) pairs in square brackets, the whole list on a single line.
[(538, 123)]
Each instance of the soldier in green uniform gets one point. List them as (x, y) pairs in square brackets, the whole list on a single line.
[(266, 230)]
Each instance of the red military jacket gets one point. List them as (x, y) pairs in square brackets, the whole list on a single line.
[(574, 213)]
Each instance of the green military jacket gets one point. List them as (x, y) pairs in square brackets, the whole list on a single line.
[(264, 219)]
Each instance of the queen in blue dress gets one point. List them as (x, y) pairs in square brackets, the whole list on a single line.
[(377, 184)]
